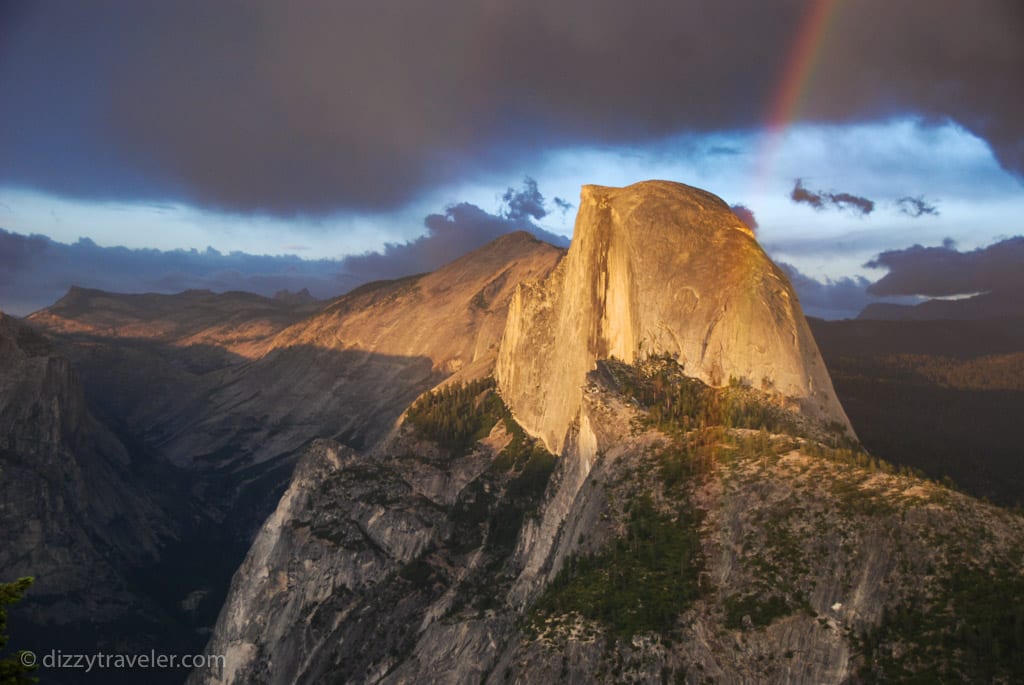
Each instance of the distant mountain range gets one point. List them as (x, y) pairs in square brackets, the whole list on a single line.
[(992, 305)]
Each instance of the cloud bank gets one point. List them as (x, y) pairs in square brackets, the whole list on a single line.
[(461, 228), (35, 271), (944, 271), (271, 107), (914, 273)]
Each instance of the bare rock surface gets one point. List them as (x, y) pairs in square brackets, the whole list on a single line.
[(69, 514), (359, 577), (702, 511), (658, 268)]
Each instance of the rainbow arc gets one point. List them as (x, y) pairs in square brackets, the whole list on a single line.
[(797, 75)]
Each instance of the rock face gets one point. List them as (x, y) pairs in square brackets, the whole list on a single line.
[(369, 557), (405, 565), (658, 268), (353, 368), (205, 402), (687, 528), (69, 514)]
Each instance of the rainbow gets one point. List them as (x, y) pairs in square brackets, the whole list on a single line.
[(796, 77)]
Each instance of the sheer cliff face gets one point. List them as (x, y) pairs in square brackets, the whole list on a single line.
[(65, 498), (658, 268)]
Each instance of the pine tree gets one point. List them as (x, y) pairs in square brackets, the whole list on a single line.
[(13, 670)]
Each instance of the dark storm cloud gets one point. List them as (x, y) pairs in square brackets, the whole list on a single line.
[(820, 199), (312, 107), (801, 195), (563, 205), (746, 215), (855, 203), (35, 271), (915, 207), (943, 271), (525, 204)]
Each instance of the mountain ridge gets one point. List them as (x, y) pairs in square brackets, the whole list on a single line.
[(996, 304)]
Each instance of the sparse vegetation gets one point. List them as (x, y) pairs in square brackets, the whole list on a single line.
[(971, 631), (760, 609), (490, 511), (642, 582), (458, 415), (13, 671), (964, 623), (674, 401), (531, 466)]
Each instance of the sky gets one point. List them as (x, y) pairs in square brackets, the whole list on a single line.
[(876, 147)]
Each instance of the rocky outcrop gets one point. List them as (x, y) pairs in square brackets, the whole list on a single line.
[(683, 532), (453, 316), (371, 572), (350, 370), (658, 268), (369, 559)]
